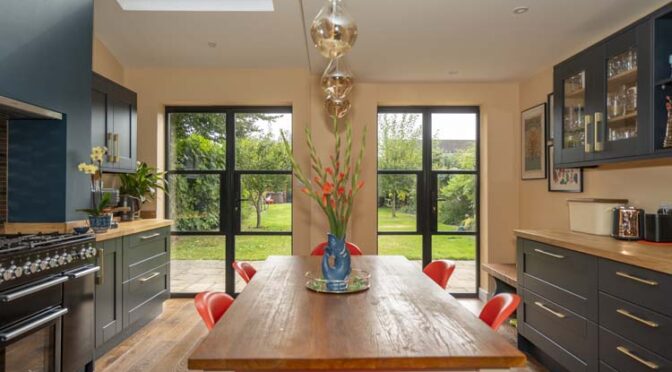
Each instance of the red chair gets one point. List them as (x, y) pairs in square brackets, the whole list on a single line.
[(352, 248), (211, 306), (440, 271), (498, 309), (245, 270)]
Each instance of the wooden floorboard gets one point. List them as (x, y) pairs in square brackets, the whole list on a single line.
[(165, 344)]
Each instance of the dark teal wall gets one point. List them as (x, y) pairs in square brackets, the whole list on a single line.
[(45, 59)]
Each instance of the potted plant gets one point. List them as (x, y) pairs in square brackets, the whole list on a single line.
[(139, 187), (94, 170), (100, 218)]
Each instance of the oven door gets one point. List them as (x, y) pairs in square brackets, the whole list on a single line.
[(33, 344)]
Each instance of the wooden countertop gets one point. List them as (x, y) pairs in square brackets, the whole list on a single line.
[(133, 227), (652, 257), (403, 322)]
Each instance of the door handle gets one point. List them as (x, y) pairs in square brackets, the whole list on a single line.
[(101, 256), (154, 275), (150, 236), (556, 313), (634, 317), (599, 124), (587, 122), (14, 295), (32, 323), (116, 147), (637, 279), (559, 256), (110, 145), (626, 351), (83, 272)]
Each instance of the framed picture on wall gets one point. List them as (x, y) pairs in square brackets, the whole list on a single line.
[(563, 179), (533, 143), (550, 108)]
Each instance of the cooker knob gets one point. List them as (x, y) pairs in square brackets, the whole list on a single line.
[(44, 264), (35, 266), (68, 257), (18, 271), (93, 251), (53, 262), (26, 268), (61, 260), (6, 274), (82, 254)]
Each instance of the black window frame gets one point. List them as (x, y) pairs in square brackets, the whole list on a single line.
[(426, 193), (229, 205)]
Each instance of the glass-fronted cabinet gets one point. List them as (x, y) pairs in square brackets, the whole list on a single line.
[(601, 99)]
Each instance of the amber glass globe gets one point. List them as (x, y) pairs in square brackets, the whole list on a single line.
[(337, 80), (333, 30), (337, 109)]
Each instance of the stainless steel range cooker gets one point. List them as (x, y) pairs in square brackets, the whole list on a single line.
[(47, 302)]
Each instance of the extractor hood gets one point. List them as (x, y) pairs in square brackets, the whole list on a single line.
[(13, 109)]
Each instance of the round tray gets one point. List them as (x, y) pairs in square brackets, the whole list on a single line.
[(357, 281)]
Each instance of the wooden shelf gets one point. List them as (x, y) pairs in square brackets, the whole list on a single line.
[(622, 119), (623, 78), (575, 93)]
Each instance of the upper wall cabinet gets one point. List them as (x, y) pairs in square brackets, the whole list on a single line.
[(114, 124), (603, 98)]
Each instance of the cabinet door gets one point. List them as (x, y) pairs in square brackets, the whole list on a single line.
[(124, 129), (109, 291), (574, 87), (98, 118), (623, 120)]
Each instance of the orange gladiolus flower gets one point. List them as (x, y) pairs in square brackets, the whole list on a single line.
[(333, 204), (341, 190), (329, 171), (341, 176), (305, 190), (360, 184), (317, 181), (324, 200), (327, 188)]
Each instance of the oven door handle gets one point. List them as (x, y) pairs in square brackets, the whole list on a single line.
[(82, 272), (32, 323), (14, 295)]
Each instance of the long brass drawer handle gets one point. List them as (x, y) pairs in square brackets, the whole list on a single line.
[(632, 355), (150, 236), (154, 275), (549, 253), (559, 315), (634, 317), (637, 279)]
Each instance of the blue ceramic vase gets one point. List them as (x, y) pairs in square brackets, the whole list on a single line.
[(100, 224), (338, 268)]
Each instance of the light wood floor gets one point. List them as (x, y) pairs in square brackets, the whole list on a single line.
[(165, 344)]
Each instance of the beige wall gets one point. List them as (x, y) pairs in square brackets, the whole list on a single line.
[(105, 63), (644, 183)]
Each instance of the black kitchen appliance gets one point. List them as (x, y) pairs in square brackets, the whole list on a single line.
[(47, 302), (628, 223)]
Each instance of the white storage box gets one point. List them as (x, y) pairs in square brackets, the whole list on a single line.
[(593, 216)]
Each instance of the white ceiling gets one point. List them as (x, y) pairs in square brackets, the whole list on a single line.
[(399, 40)]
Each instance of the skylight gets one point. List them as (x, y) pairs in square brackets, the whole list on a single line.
[(197, 5)]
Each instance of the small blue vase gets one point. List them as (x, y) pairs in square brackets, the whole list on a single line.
[(100, 224), (341, 264)]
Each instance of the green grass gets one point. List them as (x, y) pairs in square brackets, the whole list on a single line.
[(278, 218)]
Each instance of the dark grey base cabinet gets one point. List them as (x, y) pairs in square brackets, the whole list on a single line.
[(584, 313), (132, 285)]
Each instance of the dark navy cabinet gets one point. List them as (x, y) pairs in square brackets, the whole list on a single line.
[(114, 123), (605, 100), (108, 291)]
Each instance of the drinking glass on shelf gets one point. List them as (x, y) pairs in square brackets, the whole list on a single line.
[(631, 99), (632, 59)]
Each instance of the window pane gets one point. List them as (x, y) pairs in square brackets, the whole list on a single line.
[(456, 202), (194, 202), (397, 202), (267, 202), (259, 145), (399, 141), (462, 250), (255, 249), (409, 246), (453, 141), (197, 264), (197, 141)]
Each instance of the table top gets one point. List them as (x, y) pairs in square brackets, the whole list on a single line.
[(403, 321)]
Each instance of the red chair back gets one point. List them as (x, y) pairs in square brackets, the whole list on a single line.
[(352, 248), (499, 308), (440, 271), (211, 306), (245, 270)]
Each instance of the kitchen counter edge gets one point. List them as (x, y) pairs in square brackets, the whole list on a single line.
[(133, 227)]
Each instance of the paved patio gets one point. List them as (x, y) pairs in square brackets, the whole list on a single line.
[(191, 276)]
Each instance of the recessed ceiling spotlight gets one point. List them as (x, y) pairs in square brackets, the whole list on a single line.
[(212, 44), (520, 10)]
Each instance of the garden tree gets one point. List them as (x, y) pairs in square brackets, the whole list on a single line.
[(198, 143), (460, 192), (399, 148)]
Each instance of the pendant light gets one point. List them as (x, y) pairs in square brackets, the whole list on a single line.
[(333, 30), (337, 79)]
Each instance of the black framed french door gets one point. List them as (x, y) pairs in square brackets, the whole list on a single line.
[(429, 188), (229, 182)]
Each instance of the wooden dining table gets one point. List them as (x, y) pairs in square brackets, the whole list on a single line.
[(405, 321)]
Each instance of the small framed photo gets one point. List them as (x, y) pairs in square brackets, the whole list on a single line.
[(563, 179), (550, 108), (533, 143)]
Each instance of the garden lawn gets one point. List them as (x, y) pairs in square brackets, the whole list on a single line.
[(277, 217)]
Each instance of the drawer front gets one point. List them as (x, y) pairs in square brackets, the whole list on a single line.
[(565, 277), (139, 258), (644, 327), (627, 356), (640, 286), (146, 265), (569, 330), (148, 236), (145, 287)]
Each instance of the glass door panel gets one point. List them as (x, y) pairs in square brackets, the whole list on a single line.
[(573, 126), (397, 202), (456, 203), (194, 202), (266, 202), (460, 249), (409, 246), (197, 263), (622, 96)]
